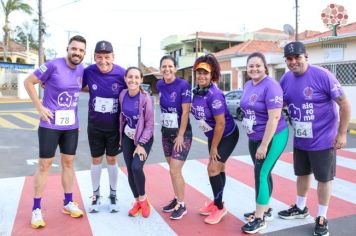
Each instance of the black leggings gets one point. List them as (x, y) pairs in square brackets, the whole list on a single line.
[(134, 165)]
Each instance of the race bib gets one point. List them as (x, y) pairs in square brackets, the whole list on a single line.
[(303, 129), (169, 120), (65, 117), (130, 132), (204, 126), (104, 105), (248, 125)]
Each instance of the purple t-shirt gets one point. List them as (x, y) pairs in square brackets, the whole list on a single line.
[(256, 101), (61, 93), (130, 109), (205, 107), (104, 90), (173, 95), (311, 104)]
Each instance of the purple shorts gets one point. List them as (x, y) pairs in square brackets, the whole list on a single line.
[(168, 144)]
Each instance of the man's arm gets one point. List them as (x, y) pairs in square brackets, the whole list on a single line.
[(345, 114)]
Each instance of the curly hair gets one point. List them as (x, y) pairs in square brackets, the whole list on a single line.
[(215, 67)]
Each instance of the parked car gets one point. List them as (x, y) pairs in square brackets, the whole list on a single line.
[(147, 88), (233, 103)]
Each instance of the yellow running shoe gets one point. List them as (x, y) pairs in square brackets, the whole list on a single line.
[(37, 219), (73, 210)]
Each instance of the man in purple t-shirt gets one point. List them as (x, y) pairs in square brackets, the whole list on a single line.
[(104, 81), (58, 122), (311, 94)]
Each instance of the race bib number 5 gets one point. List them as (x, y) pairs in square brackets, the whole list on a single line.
[(303, 129), (65, 117), (169, 120), (104, 105)]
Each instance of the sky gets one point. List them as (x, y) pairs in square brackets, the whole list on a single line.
[(123, 23)]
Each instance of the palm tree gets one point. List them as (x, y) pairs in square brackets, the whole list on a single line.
[(8, 7)]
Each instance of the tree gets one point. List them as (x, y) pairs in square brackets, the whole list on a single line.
[(8, 7), (27, 32)]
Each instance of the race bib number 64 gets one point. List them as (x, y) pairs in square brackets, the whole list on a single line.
[(303, 129)]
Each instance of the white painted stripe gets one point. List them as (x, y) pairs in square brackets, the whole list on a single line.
[(238, 197), (346, 162), (342, 189), (12, 190), (120, 223)]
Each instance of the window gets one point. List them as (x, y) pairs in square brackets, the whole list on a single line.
[(344, 72), (225, 82)]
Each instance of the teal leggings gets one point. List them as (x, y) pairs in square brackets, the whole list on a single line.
[(263, 168)]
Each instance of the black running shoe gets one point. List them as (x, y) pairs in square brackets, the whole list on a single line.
[(268, 216), (171, 205), (294, 213), (254, 226), (95, 202), (321, 226), (178, 212)]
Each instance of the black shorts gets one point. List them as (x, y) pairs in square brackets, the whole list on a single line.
[(49, 139), (322, 163), (168, 145), (103, 142), (227, 145)]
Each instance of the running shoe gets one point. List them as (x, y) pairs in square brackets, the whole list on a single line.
[(37, 219), (170, 206), (207, 209), (73, 210), (135, 210), (254, 226), (321, 226), (215, 215), (178, 212), (95, 203), (113, 204), (268, 216), (294, 213), (145, 208)]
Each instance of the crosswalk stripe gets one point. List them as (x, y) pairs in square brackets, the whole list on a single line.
[(347, 153), (7, 124), (239, 197), (27, 119)]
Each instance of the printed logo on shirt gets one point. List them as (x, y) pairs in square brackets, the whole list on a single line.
[(136, 104), (336, 88), (64, 99), (308, 93), (94, 87), (115, 87), (277, 99), (294, 112), (252, 99), (216, 104), (187, 93), (173, 97), (43, 68)]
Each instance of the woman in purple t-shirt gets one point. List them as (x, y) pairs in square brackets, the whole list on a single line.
[(136, 136), (262, 103), (210, 109)]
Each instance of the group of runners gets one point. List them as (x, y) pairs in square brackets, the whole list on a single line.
[(121, 120)]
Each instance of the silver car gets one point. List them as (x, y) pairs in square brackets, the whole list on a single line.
[(233, 103)]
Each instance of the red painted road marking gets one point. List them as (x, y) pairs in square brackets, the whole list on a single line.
[(57, 223), (345, 153), (341, 172)]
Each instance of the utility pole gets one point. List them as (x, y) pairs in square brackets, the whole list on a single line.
[(296, 20), (139, 55), (196, 45), (40, 33)]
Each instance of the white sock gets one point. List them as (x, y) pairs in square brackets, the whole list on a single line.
[(322, 210), (95, 178), (301, 202), (181, 203), (113, 171)]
